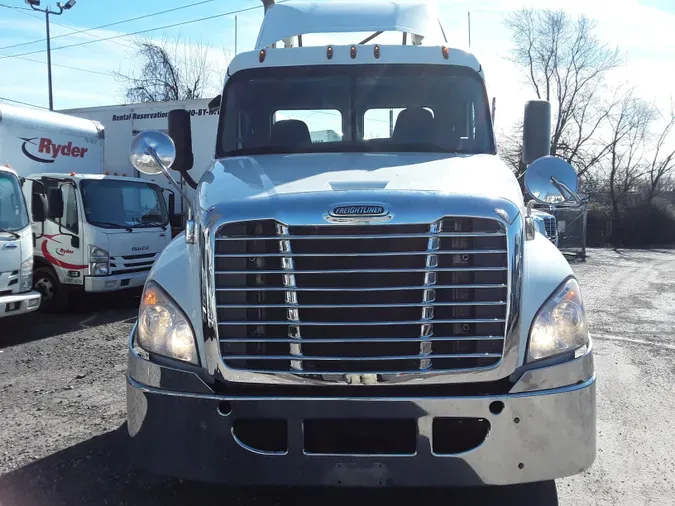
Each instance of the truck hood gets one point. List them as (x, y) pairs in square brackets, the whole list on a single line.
[(138, 242), (258, 177)]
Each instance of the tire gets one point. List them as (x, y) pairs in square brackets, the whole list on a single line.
[(55, 296)]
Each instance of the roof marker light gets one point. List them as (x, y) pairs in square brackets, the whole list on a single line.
[(352, 52), (376, 51), (446, 52), (329, 52), (263, 53), (72, 173)]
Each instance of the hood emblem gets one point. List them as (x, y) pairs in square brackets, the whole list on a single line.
[(351, 213), (360, 210)]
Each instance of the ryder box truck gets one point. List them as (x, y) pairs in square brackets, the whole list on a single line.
[(92, 232)]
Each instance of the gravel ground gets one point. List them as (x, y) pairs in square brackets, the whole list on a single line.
[(62, 407)]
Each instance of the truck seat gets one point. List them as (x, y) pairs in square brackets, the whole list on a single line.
[(290, 133), (415, 125)]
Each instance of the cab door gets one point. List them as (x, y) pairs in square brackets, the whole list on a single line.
[(62, 243)]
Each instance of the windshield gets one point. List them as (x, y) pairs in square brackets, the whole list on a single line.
[(381, 108), (113, 203), (13, 214)]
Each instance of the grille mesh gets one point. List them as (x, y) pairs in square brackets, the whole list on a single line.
[(361, 299)]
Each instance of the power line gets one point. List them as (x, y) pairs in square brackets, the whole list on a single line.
[(58, 65), (15, 7), (106, 25), (19, 101), (239, 11)]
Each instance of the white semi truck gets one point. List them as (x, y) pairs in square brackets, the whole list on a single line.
[(16, 249), (99, 232), (374, 310)]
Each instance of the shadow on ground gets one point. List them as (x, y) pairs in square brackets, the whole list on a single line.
[(86, 312), (97, 472)]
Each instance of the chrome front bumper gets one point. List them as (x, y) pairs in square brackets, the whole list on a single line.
[(20, 303), (115, 282), (177, 429)]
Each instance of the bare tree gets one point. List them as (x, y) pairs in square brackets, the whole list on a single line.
[(626, 157), (565, 63), (170, 70), (662, 164)]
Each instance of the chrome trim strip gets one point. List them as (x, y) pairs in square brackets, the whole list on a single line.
[(254, 450), (291, 297), (416, 208), (429, 294)]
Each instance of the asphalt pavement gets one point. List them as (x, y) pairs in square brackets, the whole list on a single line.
[(62, 407)]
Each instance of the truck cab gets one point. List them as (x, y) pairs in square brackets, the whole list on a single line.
[(100, 233), (374, 308), (16, 249)]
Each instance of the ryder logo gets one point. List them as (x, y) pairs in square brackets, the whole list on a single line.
[(64, 251), (48, 151)]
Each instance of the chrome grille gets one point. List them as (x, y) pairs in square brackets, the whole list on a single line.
[(550, 227), (130, 264), (367, 299)]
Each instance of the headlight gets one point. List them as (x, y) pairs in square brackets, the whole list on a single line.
[(26, 276), (99, 261), (163, 328), (560, 325), (97, 254), (100, 269)]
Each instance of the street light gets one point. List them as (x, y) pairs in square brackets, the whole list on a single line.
[(35, 4)]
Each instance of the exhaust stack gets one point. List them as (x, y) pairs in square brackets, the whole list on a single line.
[(267, 4)]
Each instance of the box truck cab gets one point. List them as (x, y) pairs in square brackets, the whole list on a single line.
[(376, 309), (100, 233), (16, 249)]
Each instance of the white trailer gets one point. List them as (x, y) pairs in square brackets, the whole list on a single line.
[(123, 122), (95, 232)]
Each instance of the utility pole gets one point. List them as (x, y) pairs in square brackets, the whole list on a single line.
[(35, 4)]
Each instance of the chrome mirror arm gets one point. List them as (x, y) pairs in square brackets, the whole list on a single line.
[(190, 235), (562, 188)]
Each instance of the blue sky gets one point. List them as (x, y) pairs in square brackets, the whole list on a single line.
[(642, 28)]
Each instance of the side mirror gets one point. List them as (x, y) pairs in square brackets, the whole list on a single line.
[(145, 146), (552, 180), (54, 203), (180, 131), (536, 130), (38, 206)]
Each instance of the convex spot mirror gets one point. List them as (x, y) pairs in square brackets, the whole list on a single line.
[(551, 180), (140, 153)]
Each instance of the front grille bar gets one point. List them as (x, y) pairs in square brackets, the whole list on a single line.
[(358, 289), (374, 254), (336, 306), (333, 358), (359, 324), (292, 313), (362, 339), (290, 270), (375, 236)]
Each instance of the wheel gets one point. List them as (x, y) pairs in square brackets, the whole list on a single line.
[(55, 296)]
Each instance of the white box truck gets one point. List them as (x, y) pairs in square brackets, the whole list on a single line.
[(374, 310), (98, 232), (16, 249)]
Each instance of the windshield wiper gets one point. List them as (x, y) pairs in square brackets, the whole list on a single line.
[(151, 223), (111, 225), (5, 231)]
